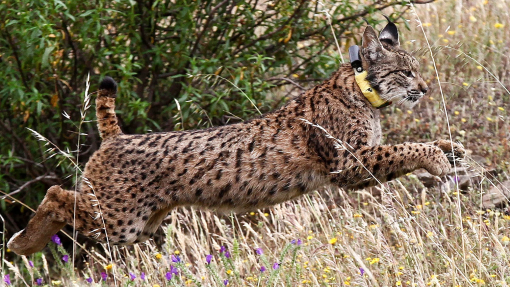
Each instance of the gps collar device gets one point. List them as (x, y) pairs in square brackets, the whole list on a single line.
[(361, 79)]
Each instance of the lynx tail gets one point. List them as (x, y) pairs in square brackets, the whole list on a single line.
[(105, 109)]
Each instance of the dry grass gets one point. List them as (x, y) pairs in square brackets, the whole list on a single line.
[(405, 235)]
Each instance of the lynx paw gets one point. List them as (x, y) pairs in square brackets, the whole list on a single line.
[(437, 163), (456, 154)]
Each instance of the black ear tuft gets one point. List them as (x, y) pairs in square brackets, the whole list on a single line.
[(108, 84), (389, 35)]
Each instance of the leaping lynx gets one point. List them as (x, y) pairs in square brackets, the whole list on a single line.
[(329, 135)]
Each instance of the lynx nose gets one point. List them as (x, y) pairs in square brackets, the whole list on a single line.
[(424, 89)]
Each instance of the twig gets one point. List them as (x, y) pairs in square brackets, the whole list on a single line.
[(39, 178), (209, 19), (18, 61), (288, 80), (269, 35)]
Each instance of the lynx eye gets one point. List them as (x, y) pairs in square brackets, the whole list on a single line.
[(407, 73)]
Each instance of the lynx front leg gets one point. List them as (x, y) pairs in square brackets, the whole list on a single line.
[(370, 165)]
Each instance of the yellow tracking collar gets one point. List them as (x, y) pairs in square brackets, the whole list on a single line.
[(369, 93)]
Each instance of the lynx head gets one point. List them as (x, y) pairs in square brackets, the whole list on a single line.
[(391, 71)]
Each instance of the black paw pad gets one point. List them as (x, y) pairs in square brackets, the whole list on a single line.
[(108, 84)]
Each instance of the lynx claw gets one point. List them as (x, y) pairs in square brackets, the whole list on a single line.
[(454, 155)]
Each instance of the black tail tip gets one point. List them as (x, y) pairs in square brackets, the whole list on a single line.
[(108, 84)]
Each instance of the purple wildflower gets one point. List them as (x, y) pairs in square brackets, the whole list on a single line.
[(65, 258), (259, 251), (168, 276), (293, 241), (7, 279), (227, 254), (38, 281), (30, 263), (142, 276), (208, 259), (56, 239), (299, 242), (132, 276), (276, 265), (89, 280), (176, 259), (174, 270), (225, 282), (223, 249), (104, 276), (262, 268), (361, 271)]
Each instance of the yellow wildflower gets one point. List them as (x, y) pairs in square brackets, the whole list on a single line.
[(479, 67), (472, 18), (505, 239), (109, 267), (357, 215), (498, 25), (177, 252), (465, 84), (159, 256), (451, 32), (501, 109), (426, 24), (332, 241), (229, 272)]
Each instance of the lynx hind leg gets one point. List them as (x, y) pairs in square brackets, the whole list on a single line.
[(50, 217), (107, 122)]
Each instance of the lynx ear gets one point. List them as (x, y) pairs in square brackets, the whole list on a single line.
[(372, 48), (389, 35)]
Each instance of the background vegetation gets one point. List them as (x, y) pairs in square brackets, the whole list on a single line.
[(193, 64)]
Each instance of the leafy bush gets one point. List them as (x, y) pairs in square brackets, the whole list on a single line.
[(180, 65)]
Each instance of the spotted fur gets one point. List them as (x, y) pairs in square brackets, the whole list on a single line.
[(330, 135)]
